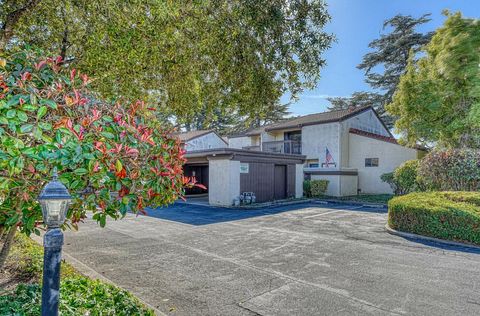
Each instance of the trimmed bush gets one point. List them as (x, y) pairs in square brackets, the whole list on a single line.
[(451, 170), (318, 187), (446, 215), (406, 176), (307, 188), (404, 179)]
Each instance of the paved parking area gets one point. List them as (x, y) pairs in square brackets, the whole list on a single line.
[(308, 259)]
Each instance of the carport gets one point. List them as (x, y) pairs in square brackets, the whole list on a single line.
[(229, 172)]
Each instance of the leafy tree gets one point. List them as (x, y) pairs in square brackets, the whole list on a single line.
[(113, 158), (358, 99), (189, 57), (438, 99), (387, 62)]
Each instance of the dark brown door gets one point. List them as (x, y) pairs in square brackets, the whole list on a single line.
[(280, 182)]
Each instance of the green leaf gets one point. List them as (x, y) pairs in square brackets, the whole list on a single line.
[(41, 112), (22, 116), (13, 101), (3, 120), (37, 133), (29, 107), (29, 151), (48, 102), (118, 166), (80, 171), (11, 113), (26, 128), (45, 126), (108, 135)]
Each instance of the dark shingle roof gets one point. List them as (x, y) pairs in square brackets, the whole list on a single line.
[(311, 119), (318, 118)]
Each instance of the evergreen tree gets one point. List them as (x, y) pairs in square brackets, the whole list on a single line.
[(438, 98), (384, 65)]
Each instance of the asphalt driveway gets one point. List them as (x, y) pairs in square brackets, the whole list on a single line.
[(308, 259)]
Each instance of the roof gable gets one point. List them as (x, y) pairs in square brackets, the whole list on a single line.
[(319, 118), (191, 135)]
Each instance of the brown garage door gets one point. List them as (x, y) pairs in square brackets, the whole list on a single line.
[(280, 182)]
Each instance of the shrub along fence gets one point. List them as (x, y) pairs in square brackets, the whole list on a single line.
[(446, 215)]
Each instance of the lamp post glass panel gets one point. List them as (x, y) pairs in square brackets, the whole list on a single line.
[(54, 200)]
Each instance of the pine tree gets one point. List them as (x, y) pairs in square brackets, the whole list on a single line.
[(387, 62)]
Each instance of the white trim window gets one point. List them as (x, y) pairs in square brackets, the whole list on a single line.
[(371, 162)]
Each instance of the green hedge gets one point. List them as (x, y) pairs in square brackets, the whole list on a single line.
[(318, 187), (307, 188), (446, 215)]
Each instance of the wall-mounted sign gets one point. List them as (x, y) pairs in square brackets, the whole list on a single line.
[(244, 167)]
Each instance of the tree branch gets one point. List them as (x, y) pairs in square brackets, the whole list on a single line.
[(11, 21)]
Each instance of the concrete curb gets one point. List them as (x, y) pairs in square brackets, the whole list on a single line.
[(271, 204), (431, 239), (92, 274), (253, 206), (351, 202)]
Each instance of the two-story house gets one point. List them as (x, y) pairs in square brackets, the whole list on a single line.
[(351, 148), (228, 172)]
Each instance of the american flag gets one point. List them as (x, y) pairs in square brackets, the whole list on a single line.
[(328, 156)]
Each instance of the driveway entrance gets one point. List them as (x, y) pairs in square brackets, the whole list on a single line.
[(306, 259)]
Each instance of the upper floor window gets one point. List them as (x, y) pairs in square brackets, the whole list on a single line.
[(371, 162)]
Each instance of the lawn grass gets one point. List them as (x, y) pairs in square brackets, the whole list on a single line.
[(364, 198), (79, 295)]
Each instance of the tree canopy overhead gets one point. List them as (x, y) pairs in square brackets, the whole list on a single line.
[(387, 61), (187, 56), (438, 99)]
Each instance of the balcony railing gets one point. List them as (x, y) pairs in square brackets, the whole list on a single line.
[(283, 147), (254, 148)]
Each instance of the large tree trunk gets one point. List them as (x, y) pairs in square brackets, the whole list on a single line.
[(6, 246), (11, 20)]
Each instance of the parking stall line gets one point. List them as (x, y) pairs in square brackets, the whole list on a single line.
[(326, 213)]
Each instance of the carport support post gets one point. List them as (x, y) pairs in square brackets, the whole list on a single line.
[(52, 256)]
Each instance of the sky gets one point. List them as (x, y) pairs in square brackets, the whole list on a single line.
[(355, 23)]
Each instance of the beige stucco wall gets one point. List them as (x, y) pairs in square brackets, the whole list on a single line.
[(339, 185), (208, 141), (390, 157), (298, 181), (368, 122), (316, 137), (224, 181), (348, 185), (333, 188)]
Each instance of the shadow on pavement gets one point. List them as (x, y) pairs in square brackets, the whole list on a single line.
[(197, 215), (442, 246)]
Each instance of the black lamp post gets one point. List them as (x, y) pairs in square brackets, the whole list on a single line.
[(54, 200)]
